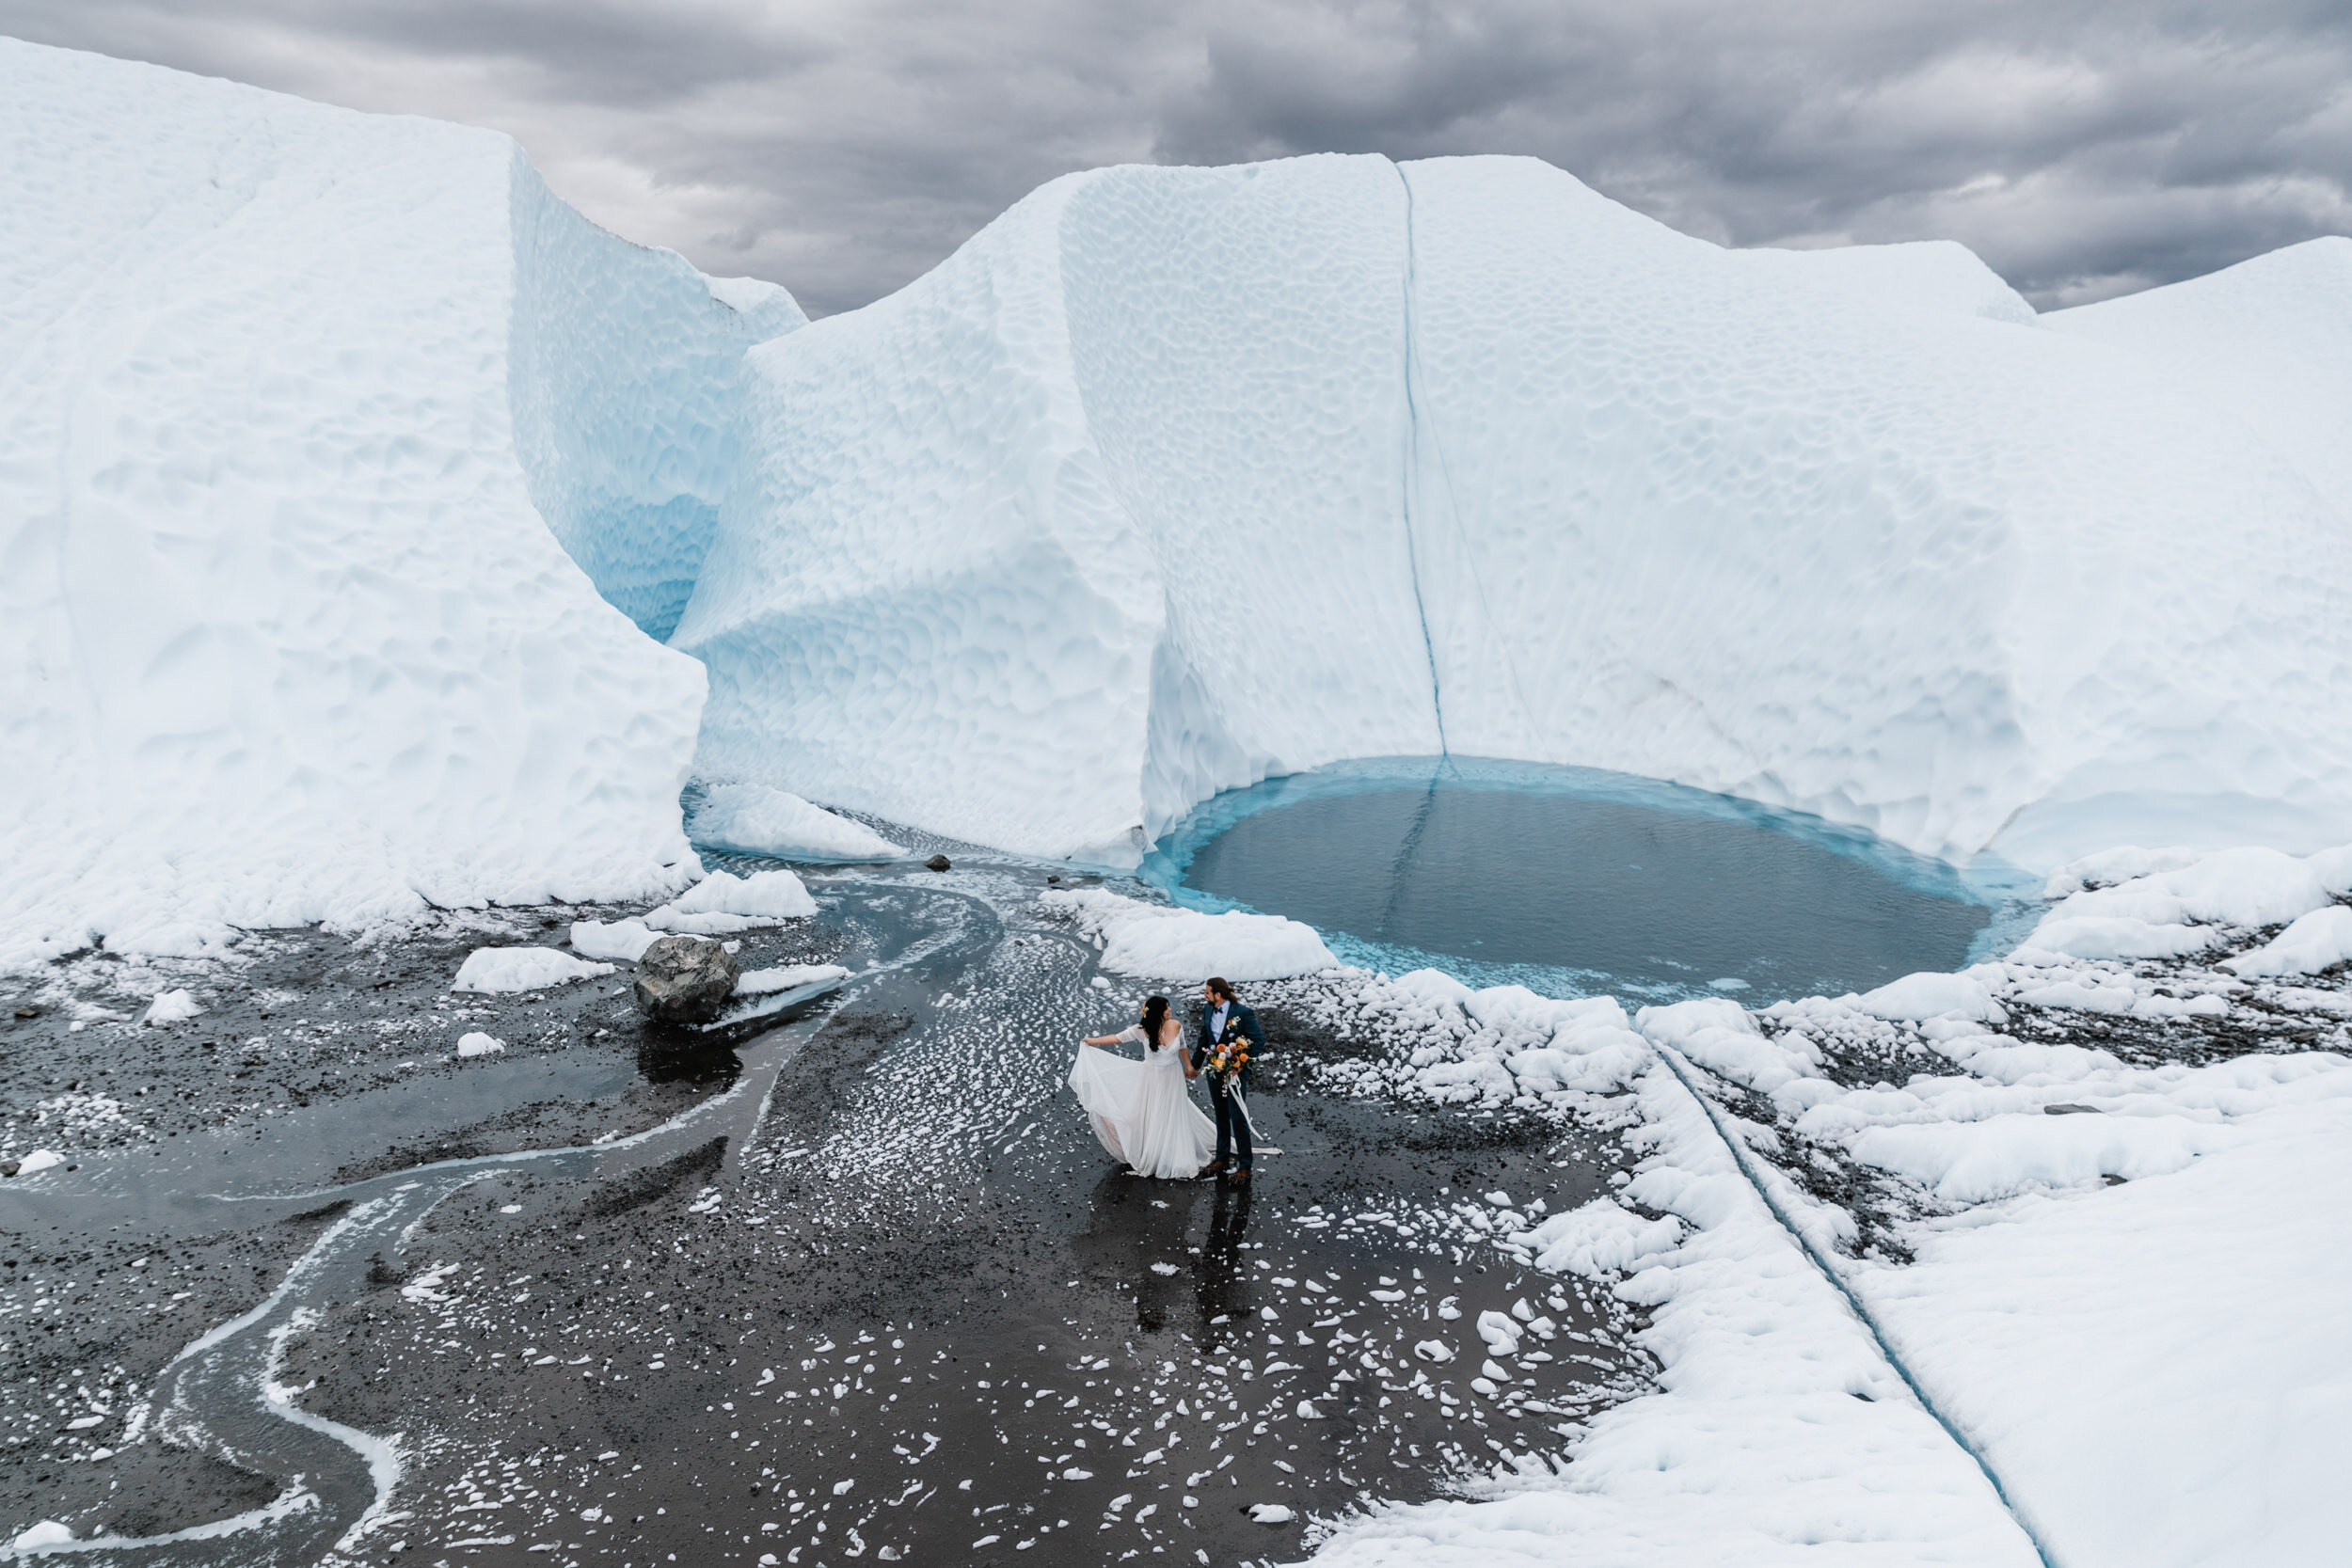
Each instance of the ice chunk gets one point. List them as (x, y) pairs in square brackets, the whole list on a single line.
[(1501, 1334), (1166, 942), (623, 940), (754, 819), (723, 903), (172, 1007), (479, 1044), (498, 970), (47, 1534), (38, 1160), (759, 982)]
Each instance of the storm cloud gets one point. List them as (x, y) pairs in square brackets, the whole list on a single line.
[(2083, 149)]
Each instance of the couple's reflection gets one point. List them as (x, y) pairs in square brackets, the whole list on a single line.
[(1141, 1229), (1220, 1280)]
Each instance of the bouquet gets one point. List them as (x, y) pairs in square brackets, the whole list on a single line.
[(1228, 1058)]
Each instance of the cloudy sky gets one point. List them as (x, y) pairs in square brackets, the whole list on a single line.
[(2083, 149)]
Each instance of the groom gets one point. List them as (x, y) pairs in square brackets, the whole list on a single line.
[(1227, 1019)]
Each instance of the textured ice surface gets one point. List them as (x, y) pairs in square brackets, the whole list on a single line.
[(1174, 478), (283, 636)]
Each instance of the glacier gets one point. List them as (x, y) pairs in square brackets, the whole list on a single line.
[(381, 533), (1172, 478), (305, 409)]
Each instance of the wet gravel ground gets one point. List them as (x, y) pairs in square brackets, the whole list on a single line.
[(916, 1316)]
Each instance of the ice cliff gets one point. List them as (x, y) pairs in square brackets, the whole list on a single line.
[(302, 409), (353, 482), (1171, 478)]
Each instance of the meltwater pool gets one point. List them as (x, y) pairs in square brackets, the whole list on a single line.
[(1578, 882)]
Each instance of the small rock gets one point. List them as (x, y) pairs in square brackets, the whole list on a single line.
[(2070, 1110), (28, 1012), (685, 980), (938, 862), (9, 1168)]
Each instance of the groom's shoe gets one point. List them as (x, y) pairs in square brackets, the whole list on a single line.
[(1214, 1168), (1239, 1177)]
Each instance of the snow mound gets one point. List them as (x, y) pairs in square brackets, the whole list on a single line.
[(1174, 478), (1158, 942), (723, 903), (504, 969), (754, 819), (2172, 912), (306, 406), (1931, 995), (2333, 867), (2318, 941), (1601, 1237)]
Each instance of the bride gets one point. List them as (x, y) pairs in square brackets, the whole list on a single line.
[(1139, 1108)]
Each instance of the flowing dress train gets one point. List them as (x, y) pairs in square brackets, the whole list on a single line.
[(1140, 1110)]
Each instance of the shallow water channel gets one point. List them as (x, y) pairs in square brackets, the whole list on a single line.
[(1578, 882), (865, 1288)]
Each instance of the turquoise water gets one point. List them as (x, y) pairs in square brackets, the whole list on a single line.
[(1575, 882)]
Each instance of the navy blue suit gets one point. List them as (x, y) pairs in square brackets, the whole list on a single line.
[(1232, 1122)]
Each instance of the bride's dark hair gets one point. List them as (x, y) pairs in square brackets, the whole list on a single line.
[(1154, 1014)]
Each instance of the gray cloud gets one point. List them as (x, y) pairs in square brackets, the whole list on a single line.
[(842, 147)]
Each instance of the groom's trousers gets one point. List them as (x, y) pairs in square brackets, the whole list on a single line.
[(1232, 1119)]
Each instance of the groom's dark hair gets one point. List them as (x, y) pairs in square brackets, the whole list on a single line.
[(1218, 984)]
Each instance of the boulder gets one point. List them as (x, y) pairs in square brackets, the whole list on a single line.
[(938, 862), (685, 980)]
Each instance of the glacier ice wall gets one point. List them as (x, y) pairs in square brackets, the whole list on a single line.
[(2266, 344), (282, 635), (1173, 478)]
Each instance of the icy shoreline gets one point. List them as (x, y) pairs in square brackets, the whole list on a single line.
[(2024, 1173)]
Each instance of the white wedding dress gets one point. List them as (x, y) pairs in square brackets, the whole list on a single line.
[(1140, 1110)]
